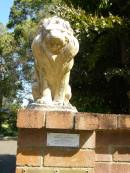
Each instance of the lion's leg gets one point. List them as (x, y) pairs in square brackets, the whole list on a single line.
[(60, 92), (46, 97), (67, 95), (35, 91), (35, 87), (59, 96)]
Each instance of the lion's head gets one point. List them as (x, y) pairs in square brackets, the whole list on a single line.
[(56, 33)]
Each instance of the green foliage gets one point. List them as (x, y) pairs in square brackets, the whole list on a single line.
[(8, 120), (23, 10), (102, 7), (9, 77), (104, 54), (2, 29), (103, 30), (6, 44)]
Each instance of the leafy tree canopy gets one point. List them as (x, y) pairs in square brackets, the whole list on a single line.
[(100, 77), (9, 76)]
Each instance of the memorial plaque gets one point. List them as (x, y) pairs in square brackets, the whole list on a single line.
[(62, 140)]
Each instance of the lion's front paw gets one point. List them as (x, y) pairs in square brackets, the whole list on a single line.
[(45, 100), (58, 103)]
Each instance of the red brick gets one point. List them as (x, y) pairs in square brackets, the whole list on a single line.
[(103, 154), (91, 170), (31, 138), (69, 158), (121, 168), (124, 122), (122, 154), (87, 139), (86, 121), (19, 170), (107, 121), (103, 168), (59, 120), (112, 168), (29, 157), (104, 138), (28, 118)]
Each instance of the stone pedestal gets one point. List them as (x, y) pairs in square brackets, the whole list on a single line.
[(104, 143)]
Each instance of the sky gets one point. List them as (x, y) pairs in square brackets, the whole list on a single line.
[(5, 6)]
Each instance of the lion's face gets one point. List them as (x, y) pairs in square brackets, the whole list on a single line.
[(56, 34), (55, 40)]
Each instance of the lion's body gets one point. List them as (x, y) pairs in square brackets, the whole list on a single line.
[(53, 65)]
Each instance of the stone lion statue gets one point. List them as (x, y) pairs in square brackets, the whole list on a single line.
[(54, 49)]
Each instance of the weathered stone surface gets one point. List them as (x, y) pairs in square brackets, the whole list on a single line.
[(124, 122), (87, 139), (121, 168), (107, 121), (115, 138), (53, 107), (103, 154), (29, 157), (33, 118), (112, 168), (104, 141), (103, 168), (59, 120), (121, 154), (69, 157), (92, 121), (19, 170), (86, 121), (28, 118), (54, 49), (31, 138)]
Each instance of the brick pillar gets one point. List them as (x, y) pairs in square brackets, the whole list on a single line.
[(104, 145), (35, 156)]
